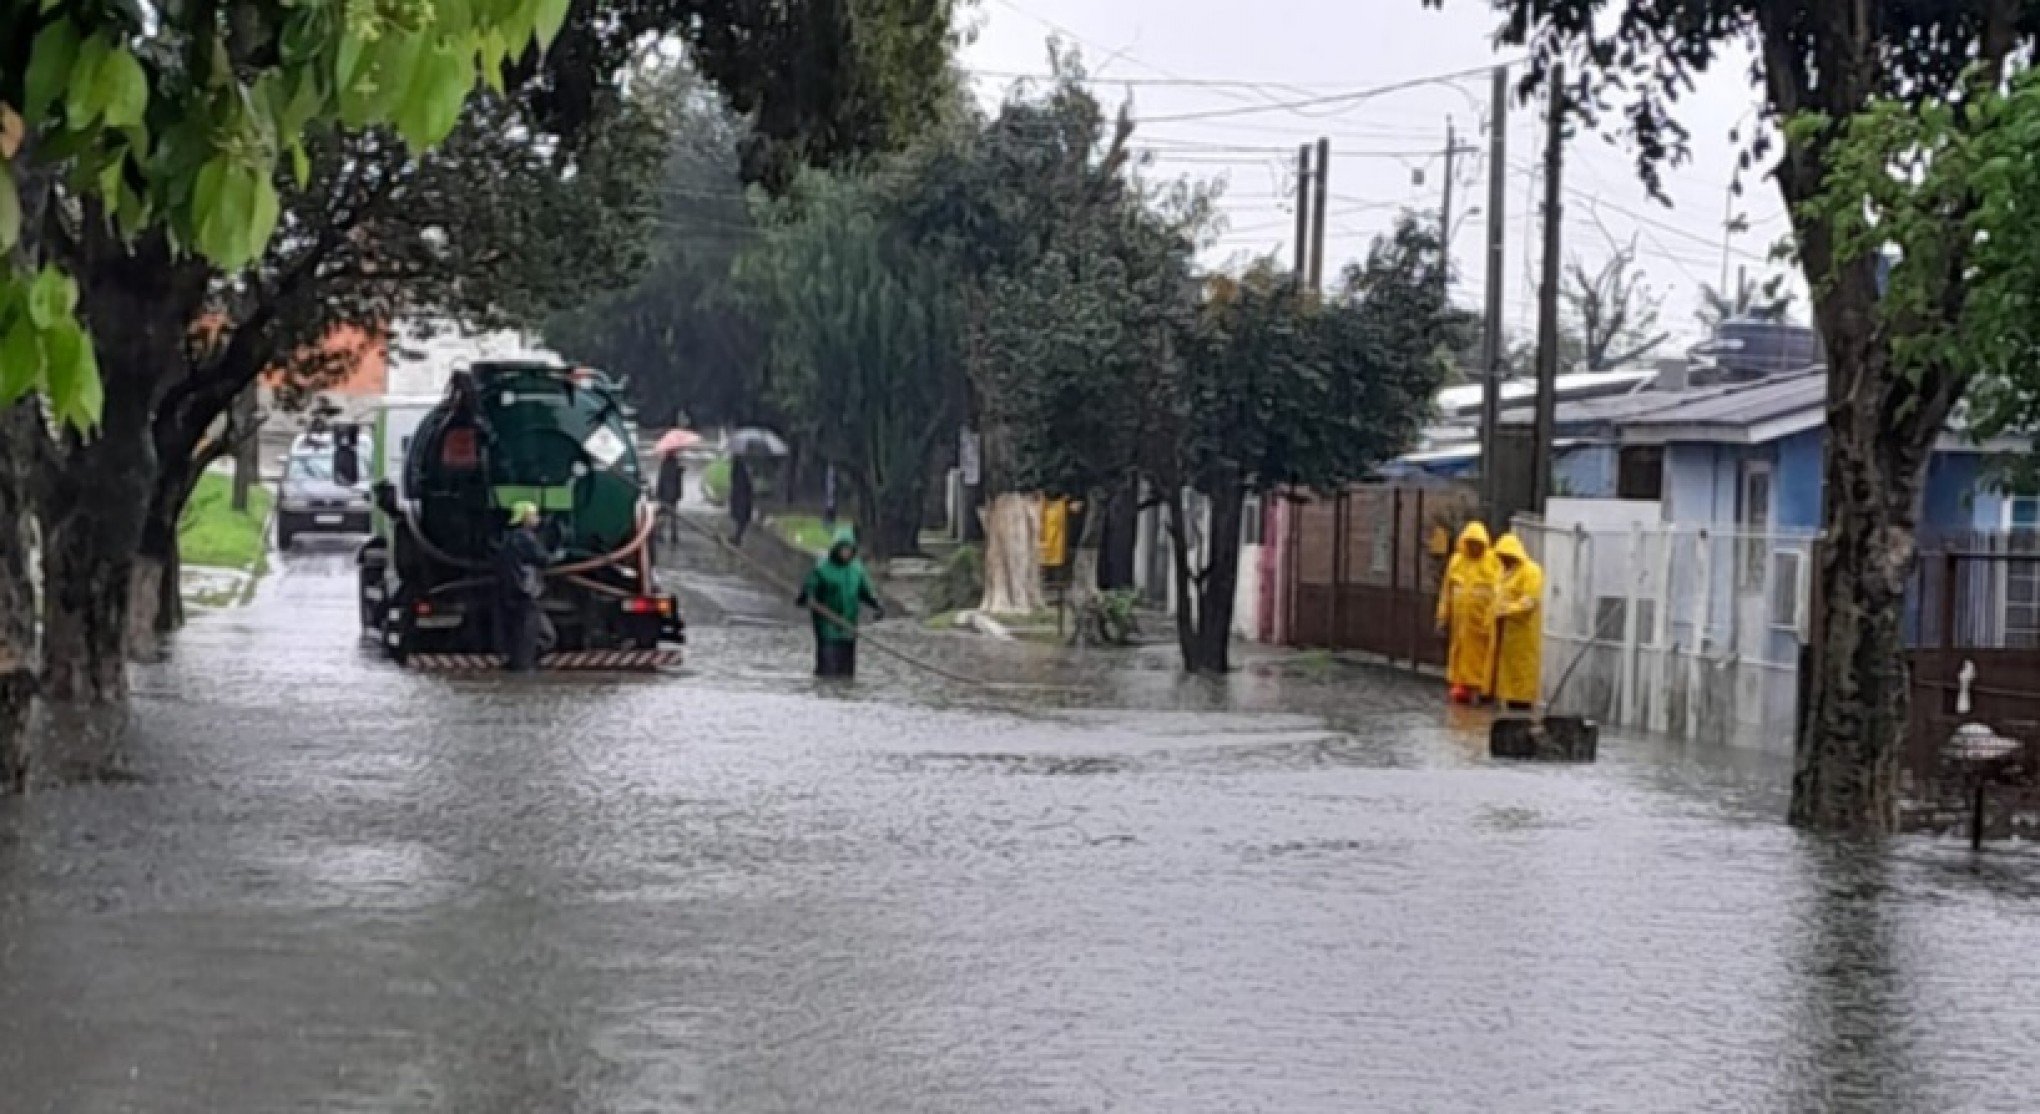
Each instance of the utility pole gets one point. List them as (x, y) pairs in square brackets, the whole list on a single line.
[(1445, 210), (1302, 214), (1547, 294), (1317, 216), (1491, 342)]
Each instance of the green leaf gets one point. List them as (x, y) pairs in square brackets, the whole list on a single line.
[(347, 63), (548, 16), (21, 360), (123, 89), (84, 97), (52, 297), (49, 67), (263, 210), (493, 52), (72, 371), (10, 209), (300, 165)]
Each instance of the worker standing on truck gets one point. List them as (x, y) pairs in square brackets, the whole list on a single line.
[(522, 630), (834, 592)]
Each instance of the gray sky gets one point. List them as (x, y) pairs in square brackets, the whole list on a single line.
[(1286, 50)]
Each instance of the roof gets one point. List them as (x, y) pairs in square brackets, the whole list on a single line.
[(1744, 414), (1458, 400), (1615, 409)]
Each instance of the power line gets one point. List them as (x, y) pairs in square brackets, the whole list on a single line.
[(1318, 102)]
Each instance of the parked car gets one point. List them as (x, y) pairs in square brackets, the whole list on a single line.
[(325, 486)]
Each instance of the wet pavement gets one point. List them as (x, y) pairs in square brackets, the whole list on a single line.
[(335, 886)]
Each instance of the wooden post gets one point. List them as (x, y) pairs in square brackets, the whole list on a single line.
[(1338, 565), (1949, 564), (1395, 593)]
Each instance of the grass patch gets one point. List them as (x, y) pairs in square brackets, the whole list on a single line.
[(806, 532), (715, 480), (213, 534)]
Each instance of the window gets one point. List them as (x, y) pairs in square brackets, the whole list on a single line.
[(1753, 518), (2022, 576), (1640, 473), (309, 466), (1788, 590), (1252, 521)]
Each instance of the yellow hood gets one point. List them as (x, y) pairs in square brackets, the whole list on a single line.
[(1474, 532), (1510, 546)]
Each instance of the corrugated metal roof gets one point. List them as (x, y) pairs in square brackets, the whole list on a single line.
[(1744, 405)]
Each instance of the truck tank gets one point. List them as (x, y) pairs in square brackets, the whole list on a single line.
[(506, 433)]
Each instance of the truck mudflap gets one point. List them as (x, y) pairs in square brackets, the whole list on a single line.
[(568, 661)]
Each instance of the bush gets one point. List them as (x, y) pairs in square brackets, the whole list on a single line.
[(715, 480), (961, 584), (213, 534)]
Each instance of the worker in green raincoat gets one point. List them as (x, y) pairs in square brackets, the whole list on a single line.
[(834, 593)]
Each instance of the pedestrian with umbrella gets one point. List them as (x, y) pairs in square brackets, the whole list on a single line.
[(741, 495), (671, 482)]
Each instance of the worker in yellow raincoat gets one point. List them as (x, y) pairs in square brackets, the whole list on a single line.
[(1520, 615), (1466, 612)]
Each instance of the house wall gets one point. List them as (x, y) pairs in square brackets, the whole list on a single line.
[(1796, 485), (1586, 471)]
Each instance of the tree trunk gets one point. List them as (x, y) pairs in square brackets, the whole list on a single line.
[(19, 434), (1220, 582), (1120, 542), (247, 449), (1013, 557), (1084, 565), (97, 487), (1847, 766), (1186, 596)]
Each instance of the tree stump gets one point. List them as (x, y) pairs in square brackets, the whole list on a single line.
[(1550, 739)]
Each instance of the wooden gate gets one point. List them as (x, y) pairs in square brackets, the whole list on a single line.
[(1365, 566)]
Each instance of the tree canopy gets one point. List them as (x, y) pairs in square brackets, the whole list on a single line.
[(180, 119)]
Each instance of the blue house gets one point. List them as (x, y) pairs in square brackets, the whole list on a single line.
[(1749, 459)]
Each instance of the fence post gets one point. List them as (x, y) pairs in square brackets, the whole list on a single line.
[(1949, 564), (1696, 669), (1338, 566), (1400, 607), (1629, 626), (1660, 616)]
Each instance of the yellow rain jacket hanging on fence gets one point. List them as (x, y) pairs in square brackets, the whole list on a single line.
[(1521, 612), (1466, 608)]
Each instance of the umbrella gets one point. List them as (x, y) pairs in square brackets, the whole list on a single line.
[(676, 441), (753, 441)]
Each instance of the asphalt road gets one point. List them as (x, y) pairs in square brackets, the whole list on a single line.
[(334, 886)]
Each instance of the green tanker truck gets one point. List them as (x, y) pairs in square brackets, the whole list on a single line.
[(446, 473)]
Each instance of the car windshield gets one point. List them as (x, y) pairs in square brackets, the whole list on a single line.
[(309, 467)]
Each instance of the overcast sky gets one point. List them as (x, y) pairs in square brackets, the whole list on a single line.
[(1177, 58)]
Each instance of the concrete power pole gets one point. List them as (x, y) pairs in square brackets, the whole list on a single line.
[(1445, 209), (1302, 213), (1547, 295), (1491, 341), (1317, 216)]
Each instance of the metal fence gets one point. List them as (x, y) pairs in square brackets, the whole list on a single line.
[(1973, 621), (1681, 631)]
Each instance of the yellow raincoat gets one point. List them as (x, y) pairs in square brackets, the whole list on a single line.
[(1521, 612), (1466, 607)]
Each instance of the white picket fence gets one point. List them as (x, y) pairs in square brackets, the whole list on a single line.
[(1681, 631)]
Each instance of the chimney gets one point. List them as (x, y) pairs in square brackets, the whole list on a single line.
[(1673, 374)]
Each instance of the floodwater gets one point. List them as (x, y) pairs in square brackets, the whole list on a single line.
[(335, 886)]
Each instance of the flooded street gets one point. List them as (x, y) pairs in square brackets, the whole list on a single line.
[(336, 886)]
